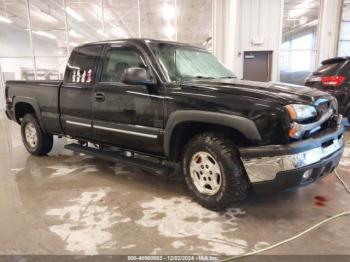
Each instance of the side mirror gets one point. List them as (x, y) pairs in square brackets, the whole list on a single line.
[(137, 76)]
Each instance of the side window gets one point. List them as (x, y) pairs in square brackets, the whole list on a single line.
[(81, 65), (117, 60), (167, 58)]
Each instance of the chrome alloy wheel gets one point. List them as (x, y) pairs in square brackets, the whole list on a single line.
[(31, 135), (205, 173)]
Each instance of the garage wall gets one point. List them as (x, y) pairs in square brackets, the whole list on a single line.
[(259, 29), (225, 17), (255, 25)]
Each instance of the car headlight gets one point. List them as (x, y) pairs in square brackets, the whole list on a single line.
[(299, 112)]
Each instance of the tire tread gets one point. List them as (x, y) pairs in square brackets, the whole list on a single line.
[(45, 140), (237, 181)]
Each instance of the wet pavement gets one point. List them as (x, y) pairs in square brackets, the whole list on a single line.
[(66, 203)]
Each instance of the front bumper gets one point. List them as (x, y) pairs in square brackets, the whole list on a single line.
[(277, 167)]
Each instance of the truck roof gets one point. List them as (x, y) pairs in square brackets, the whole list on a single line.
[(140, 40)]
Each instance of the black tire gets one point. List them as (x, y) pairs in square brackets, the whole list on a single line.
[(234, 184), (44, 141)]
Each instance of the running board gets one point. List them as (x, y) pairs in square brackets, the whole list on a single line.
[(120, 158)]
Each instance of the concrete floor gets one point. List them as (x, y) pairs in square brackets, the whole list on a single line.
[(73, 204)]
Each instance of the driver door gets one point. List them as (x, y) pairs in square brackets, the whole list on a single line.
[(128, 116)]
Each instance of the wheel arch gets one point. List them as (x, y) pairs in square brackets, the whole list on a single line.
[(25, 105), (182, 125)]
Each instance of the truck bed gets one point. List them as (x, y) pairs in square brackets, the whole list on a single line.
[(43, 95)]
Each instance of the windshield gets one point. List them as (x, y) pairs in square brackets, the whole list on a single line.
[(186, 63)]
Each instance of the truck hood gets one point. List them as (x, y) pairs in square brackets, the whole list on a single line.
[(274, 92)]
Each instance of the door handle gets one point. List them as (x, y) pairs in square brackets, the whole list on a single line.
[(100, 97)]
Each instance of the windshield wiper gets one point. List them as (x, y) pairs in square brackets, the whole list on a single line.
[(227, 77), (204, 77)]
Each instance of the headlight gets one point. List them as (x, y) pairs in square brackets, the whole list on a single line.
[(301, 112)]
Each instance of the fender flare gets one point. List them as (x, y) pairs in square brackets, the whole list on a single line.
[(244, 125), (33, 103)]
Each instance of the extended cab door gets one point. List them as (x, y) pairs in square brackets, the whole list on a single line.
[(129, 116), (77, 90)]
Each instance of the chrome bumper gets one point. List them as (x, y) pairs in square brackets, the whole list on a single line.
[(261, 169)]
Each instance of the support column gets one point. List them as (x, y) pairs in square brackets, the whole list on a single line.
[(224, 30), (329, 29), (31, 38)]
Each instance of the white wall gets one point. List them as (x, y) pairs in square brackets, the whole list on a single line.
[(246, 25), (259, 30), (329, 29), (225, 17)]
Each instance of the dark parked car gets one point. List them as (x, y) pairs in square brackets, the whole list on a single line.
[(166, 103), (333, 77)]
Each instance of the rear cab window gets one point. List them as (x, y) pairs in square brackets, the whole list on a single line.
[(82, 65)]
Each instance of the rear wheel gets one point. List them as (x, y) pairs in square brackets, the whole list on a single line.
[(34, 139), (214, 172)]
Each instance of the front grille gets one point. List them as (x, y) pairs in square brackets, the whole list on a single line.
[(322, 105)]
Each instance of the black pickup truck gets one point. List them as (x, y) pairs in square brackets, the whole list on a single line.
[(166, 103)]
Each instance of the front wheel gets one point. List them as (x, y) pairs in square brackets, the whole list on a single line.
[(34, 139), (214, 172)]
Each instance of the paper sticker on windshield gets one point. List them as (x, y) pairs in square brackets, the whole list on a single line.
[(78, 78), (89, 76), (74, 75), (83, 76)]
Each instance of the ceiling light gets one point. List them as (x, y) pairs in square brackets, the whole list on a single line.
[(97, 10), (107, 15), (74, 14), (169, 31), (296, 13), (118, 31), (43, 16), (62, 51), (45, 34), (100, 32), (5, 20), (312, 23), (74, 34), (300, 9), (168, 11), (303, 20)]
